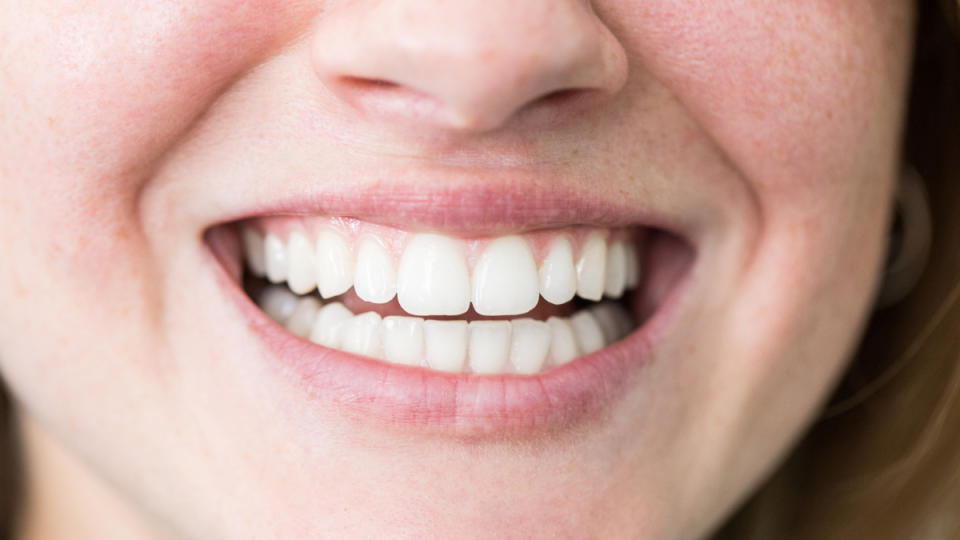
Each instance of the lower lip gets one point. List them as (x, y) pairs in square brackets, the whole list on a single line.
[(417, 399)]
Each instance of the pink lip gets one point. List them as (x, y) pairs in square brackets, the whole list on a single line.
[(406, 398), (466, 206)]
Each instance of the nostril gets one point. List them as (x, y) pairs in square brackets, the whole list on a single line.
[(561, 97), (367, 85), (383, 96)]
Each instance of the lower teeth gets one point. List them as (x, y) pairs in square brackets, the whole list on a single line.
[(520, 346)]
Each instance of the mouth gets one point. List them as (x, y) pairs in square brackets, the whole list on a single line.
[(533, 327)]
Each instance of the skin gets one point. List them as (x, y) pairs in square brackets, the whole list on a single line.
[(771, 129)]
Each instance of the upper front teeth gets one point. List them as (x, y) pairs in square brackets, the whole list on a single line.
[(433, 277), (505, 280), (439, 275)]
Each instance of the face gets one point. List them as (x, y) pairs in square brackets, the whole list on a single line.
[(451, 187)]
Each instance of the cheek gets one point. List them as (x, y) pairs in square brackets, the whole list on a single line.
[(95, 93), (788, 91)]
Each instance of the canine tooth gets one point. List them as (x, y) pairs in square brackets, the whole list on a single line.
[(301, 264), (375, 279), (591, 268), (558, 276), (616, 272), (361, 335), (632, 273), (445, 344), (489, 346), (432, 278), (275, 254), (278, 303), (301, 320), (529, 345), (403, 340), (563, 343), (334, 264), (505, 280), (326, 325), (588, 332), (254, 250), (607, 320)]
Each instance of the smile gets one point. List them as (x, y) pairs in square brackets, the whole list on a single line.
[(477, 331)]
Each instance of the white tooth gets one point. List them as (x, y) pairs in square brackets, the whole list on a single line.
[(445, 344), (403, 340), (254, 251), (375, 279), (275, 254), (334, 264), (591, 268), (302, 270), (558, 276), (563, 343), (301, 320), (607, 320), (489, 346), (588, 332), (361, 335), (632, 277), (505, 278), (326, 326), (616, 273), (432, 278), (278, 303), (529, 345)]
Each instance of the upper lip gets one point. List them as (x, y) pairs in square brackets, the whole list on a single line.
[(464, 203)]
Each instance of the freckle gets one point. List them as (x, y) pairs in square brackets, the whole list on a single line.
[(51, 121)]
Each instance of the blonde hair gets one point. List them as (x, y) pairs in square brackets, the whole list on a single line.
[(883, 461)]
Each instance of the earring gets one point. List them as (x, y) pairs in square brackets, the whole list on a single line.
[(909, 245)]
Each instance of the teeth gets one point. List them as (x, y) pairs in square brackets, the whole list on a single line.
[(632, 272), (616, 317), (489, 346), (558, 276), (445, 344), (275, 254), (302, 269), (528, 349), (522, 346), (563, 344), (253, 248), (505, 280), (375, 280), (588, 332), (591, 268), (403, 340), (334, 264), (326, 326), (278, 303), (301, 320), (361, 335), (616, 272), (432, 278)]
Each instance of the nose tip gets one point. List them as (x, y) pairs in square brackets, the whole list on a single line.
[(469, 65)]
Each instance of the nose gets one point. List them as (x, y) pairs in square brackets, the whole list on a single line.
[(467, 65)]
